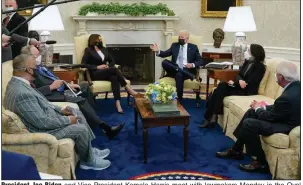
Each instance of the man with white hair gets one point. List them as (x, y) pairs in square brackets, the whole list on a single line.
[(265, 120), (185, 59)]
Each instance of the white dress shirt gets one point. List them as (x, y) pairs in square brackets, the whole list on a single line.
[(22, 79), (184, 55), (101, 54)]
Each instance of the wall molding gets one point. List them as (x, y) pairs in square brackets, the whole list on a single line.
[(292, 54)]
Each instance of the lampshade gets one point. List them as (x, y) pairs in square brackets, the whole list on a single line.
[(240, 19), (47, 20)]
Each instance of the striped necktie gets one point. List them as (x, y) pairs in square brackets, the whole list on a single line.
[(180, 57)]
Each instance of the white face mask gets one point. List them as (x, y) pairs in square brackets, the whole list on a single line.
[(38, 60), (247, 55), (9, 8)]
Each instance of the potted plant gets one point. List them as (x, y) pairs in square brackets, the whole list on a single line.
[(135, 9)]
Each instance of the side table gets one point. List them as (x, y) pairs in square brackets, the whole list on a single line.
[(68, 75), (220, 74)]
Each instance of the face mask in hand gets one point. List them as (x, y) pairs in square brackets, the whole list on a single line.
[(181, 42), (247, 55)]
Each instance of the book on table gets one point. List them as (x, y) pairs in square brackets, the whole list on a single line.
[(165, 109), (219, 65)]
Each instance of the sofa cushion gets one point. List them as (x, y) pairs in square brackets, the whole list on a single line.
[(188, 84), (103, 86), (238, 105), (65, 148), (11, 123), (277, 140)]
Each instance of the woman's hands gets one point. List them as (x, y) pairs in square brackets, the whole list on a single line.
[(103, 66), (243, 84)]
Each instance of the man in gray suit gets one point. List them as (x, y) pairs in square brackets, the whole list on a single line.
[(39, 115), (16, 39)]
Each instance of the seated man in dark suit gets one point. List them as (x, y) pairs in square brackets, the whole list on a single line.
[(261, 119), (55, 91), (185, 59)]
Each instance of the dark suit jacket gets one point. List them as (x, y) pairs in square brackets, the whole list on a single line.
[(286, 109), (252, 77), (92, 59), (7, 51), (23, 31), (193, 55)]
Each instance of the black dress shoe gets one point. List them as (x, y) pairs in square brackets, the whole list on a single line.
[(207, 124), (255, 166), (114, 131), (230, 154)]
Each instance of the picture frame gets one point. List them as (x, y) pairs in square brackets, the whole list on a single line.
[(217, 8), (27, 3)]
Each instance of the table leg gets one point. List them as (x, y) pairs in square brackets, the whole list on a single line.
[(207, 84), (136, 120), (185, 133), (168, 129), (145, 139), (215, 82)]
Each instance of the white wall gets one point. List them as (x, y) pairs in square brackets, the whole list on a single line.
[(278, 23)]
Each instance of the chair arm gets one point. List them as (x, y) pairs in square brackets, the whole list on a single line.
[(32, 139), (294, 139)]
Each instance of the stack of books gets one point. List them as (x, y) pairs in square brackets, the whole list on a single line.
[(165, 109)]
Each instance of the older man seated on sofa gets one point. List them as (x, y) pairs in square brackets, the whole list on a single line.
[(39, 115), (263, 119)]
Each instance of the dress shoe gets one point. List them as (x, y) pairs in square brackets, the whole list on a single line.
[(230, 154), (207, 124), (255, 166), (114, 130), (101, 153)]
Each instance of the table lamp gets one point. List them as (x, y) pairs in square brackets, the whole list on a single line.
[(46, 21), (239, 20)]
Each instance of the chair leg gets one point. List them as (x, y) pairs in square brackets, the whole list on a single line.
[(198, 98), (128, 99), (106, 95)]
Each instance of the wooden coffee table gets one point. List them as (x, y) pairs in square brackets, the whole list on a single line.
[(143, 108)]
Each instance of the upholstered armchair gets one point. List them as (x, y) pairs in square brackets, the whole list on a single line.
[(188, 84), (97, 87), (51, 156)]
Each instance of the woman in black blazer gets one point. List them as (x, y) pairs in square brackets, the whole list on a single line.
[(101, 66), (246, 83)]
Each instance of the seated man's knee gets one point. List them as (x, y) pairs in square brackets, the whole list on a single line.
[(250, 123), (113, 78), (165, 63)]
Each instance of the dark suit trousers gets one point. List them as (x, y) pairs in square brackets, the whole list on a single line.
[(87, 93), (248, 131), (89, 113), (214, 104), (179, 74), (113, 75)]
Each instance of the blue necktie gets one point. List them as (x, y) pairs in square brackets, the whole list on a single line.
[(180, 57), (44, 71)]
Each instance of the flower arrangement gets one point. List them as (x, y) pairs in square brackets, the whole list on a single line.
[(160, 92)]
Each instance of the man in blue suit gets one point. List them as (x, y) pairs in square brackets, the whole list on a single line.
[(185, 59)]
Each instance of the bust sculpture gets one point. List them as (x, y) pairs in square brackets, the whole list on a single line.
[(218, 36)]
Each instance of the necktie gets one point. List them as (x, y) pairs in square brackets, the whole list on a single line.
[(180, 58), (5, 21)]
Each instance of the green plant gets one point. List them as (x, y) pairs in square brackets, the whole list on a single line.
[(134, 9)]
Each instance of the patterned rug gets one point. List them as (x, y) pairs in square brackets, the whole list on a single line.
[(178, 175)]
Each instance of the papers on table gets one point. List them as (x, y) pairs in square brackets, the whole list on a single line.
[(49, 176), (219, 65)]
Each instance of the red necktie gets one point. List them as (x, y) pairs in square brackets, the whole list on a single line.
[(6, 21)]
